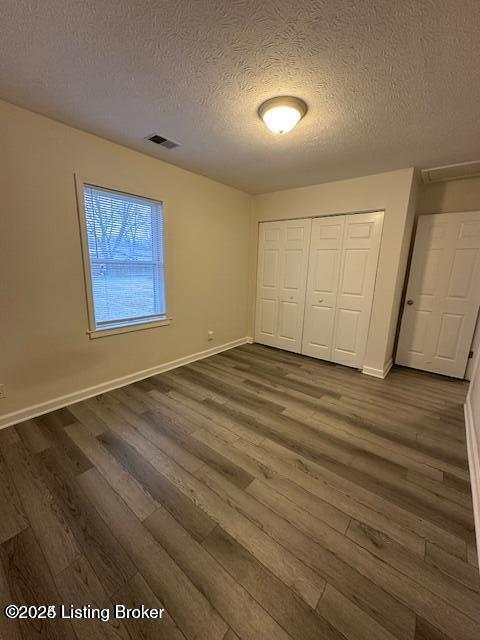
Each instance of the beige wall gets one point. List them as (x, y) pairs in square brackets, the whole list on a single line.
[(44, 350), (393, 192), (447, 197)]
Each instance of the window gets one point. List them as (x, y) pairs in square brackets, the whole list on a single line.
[(123, 247)]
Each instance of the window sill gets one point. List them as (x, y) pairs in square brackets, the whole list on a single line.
[(135, 326)]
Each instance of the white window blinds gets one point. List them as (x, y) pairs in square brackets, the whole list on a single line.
[(125, 249)]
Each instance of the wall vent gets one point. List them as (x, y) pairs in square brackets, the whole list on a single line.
[(161, 141), (452, 172)]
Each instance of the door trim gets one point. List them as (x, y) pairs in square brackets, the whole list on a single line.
[(323, 215), (378, 373)]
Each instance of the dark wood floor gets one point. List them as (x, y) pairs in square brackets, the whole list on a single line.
[(256, 494)]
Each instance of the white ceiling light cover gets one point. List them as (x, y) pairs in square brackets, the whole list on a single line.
[(282, 113)]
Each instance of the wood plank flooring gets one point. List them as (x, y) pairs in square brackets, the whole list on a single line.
[(254, 495)]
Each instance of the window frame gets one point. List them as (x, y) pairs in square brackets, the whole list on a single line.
[(95, 331)]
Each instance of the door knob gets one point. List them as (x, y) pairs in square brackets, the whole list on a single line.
[(291, 298), (321, 300), (409, 302)]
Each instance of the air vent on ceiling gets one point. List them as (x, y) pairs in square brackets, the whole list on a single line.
[(452, 172), (161, 141)]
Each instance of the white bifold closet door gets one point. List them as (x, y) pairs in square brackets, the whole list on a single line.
[(315, 285), (341, 280), (322, 286), (281, 283)]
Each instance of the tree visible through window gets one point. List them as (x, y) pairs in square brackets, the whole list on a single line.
[(125, 249)]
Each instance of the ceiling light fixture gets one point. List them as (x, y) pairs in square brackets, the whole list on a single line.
[(282, 113)]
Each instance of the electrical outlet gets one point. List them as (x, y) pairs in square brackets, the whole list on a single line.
[(3, 391), (210, 336)]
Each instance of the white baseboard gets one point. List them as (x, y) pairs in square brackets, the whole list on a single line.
[(473, 449), (378, 373), (70, 398), (249, 340)]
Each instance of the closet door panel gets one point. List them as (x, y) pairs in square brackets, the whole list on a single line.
[(281, 282), (287, 322), (270, 255), (354, 271), (267, 315), (293, 284), (361, 246), (322, 285), (347, 330)]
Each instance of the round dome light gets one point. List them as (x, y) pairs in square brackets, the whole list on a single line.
[(282, 113)]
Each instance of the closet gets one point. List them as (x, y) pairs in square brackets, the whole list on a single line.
[(315, 284)]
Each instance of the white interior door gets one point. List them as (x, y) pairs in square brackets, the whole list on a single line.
[(281, 283), (360, 248), (443, 294), (322, 284), (293, 284), (270, 254)]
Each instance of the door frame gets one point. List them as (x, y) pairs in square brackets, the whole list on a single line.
[(474, 348)]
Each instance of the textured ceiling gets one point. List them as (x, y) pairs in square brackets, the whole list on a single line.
[(389, 84)]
